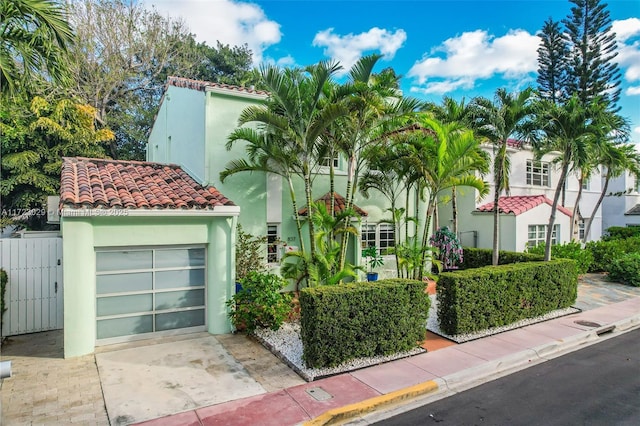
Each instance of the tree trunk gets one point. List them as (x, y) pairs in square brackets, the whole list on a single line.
[(576, 208), (587, 228), (554, 208), (454, 208), (425, 236)]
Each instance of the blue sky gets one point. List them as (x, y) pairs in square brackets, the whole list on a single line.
[(457, 48)]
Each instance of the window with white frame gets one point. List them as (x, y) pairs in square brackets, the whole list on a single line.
[(326, 161), (538, 235), (581, 227), (380, 235), (538, 173), (273, 246), (585, 184)]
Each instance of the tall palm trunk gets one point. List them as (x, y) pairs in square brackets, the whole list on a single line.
[(296, 215), (309, 199), (348, 201), (454, 207), (554, 208), (425, 236), (499, 165), (587, 227), (576, 208)]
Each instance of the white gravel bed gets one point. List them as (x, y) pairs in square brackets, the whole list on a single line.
[(432, 323), (286, 344)]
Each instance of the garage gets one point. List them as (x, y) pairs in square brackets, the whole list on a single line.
[(149, 290), (148, 251)]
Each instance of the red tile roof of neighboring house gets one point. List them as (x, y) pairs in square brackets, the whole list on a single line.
[(521, 203), (110, 184), (201, 85), (339, 204)]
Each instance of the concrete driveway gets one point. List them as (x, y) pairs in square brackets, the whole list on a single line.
[(133, 382)]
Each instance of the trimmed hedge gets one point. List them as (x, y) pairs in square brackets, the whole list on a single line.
[(605, 252), (626, 269), (493, 296), (572, 250), (477, 258), (343, 322), (621, 232)]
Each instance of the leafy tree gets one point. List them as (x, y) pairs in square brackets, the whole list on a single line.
[(35, 36), (508, 116), (553, 55), (224, 64), (36, 135), (593, 71)]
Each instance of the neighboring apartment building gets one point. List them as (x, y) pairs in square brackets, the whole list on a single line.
[(191, 130), (621, 206), (525, 212)]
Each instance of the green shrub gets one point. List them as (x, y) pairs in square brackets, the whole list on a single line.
[(355, 320), (621, 232), (493, 296), (626, 269), (605, 252), (477, 258), (259, 303), (572, 250), (4, 279)]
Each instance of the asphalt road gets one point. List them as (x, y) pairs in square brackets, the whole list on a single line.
[(598, 385)]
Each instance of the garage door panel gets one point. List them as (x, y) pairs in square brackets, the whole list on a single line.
[(124, 260), (179, 299), (120, 283), (174, 320), (149, 290), (117, 305), (116, 327), (180, 258), (182, 278)]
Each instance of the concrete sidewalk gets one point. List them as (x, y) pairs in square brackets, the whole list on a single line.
[(430, 375)]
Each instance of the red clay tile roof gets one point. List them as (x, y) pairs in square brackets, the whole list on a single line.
[(110, 184), (521, 203), (339, 203), (201, 85)]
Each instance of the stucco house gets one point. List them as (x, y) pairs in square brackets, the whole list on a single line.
[(525, 211), (191, 129), (621, 206), (147, 252)]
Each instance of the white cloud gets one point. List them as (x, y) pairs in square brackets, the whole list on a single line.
[(459, 61), (347, 49), (228, 21), (633, 90), (627, 33)]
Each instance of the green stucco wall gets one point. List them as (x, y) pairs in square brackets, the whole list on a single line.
[(81, 236)]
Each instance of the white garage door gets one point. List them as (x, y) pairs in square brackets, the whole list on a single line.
[(148, 291)]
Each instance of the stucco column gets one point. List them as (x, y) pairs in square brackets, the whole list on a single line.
[(79, 269), (220, 273)]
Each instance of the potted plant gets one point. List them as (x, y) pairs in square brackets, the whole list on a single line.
[(375, 260)]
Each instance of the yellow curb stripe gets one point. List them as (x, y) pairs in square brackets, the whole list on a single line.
[(371, 404)]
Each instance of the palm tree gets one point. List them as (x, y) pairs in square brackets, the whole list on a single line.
[(34, 35), (570, 129), (506, 117), (442, 156), (375, 109), (293, 119), (617, 159), (451, 111), (614, 130)]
